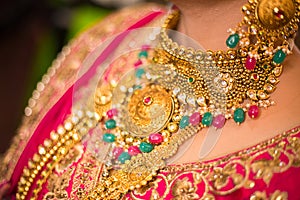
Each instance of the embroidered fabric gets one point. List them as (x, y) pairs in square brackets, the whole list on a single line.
[(254, 173), (260, 172)]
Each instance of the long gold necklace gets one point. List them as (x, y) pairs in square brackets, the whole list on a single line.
[(185, 90)]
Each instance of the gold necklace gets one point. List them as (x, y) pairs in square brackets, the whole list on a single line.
[(200, 88), (229, 83)]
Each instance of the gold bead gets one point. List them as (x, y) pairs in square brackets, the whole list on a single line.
[(47, 143), (36, 157), (172, 127), (41, 150), (31, 164), (176, 117)]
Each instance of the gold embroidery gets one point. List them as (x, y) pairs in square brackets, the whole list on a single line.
[(62, 74), (184, 190), (294, 146), (237, 171), (258, 196), (277, 195), (220, 176), (73, 156), (86, 176), (57, 185)]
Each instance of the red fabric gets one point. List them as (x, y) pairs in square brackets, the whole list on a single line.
[(62, 108)]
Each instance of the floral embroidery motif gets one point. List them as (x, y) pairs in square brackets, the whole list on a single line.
[(72, 157), (220, 176), (57, 185), (193, 181), (277, 195), (184, 190), (86, 176), (244, 171)]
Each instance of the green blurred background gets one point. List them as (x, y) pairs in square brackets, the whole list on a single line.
[(32, 32)]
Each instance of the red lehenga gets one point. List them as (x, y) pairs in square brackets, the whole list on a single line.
[(269, 170)]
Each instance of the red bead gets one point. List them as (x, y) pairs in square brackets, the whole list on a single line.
[(133, 150), (279, 14), (250, 63), (117, 152), (111, 113), (155, 138), (147, 100), (138, 63), (146, 47), (195, 118), (219, 121), (253, 111)]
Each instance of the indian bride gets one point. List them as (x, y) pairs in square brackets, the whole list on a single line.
[(198, 100)]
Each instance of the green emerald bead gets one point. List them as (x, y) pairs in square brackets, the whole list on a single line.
[(184, 122), (146, 147), (207, 119), (137, 87), (191, 80), (123, 157), (239, 115), (232, 40), (139, 72), (143, 54), (279, 56), (108, 137), (110, 124)]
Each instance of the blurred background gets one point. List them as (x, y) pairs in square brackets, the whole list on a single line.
[(32, 32)]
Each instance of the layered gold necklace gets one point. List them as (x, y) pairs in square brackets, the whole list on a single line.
[(180, 92), (186, 90)]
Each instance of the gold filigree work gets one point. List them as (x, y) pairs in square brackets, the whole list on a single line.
[(153, 117)]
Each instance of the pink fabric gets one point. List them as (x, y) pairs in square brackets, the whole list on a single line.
[(285, 181), (62, 108), (50, 122)]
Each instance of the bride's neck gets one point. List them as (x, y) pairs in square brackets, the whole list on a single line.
[(207, 21)]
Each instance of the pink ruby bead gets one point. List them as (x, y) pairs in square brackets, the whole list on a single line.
[(133, 150), (155, 138), (147, 100), (195, 118), (138, 63), (117, 152), (219, 121), (250, 63), (253, 111), (145, 47), (111, 113)]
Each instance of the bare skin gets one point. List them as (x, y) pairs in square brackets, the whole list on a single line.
[(213, 18)]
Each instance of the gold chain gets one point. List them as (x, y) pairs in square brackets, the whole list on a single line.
[(52, 151), (248, 70)]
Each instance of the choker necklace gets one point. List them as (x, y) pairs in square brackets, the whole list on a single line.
[(229, 83), (182, 90)]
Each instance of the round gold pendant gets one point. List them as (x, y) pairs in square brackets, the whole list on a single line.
[(276, 13), (150, 109)]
